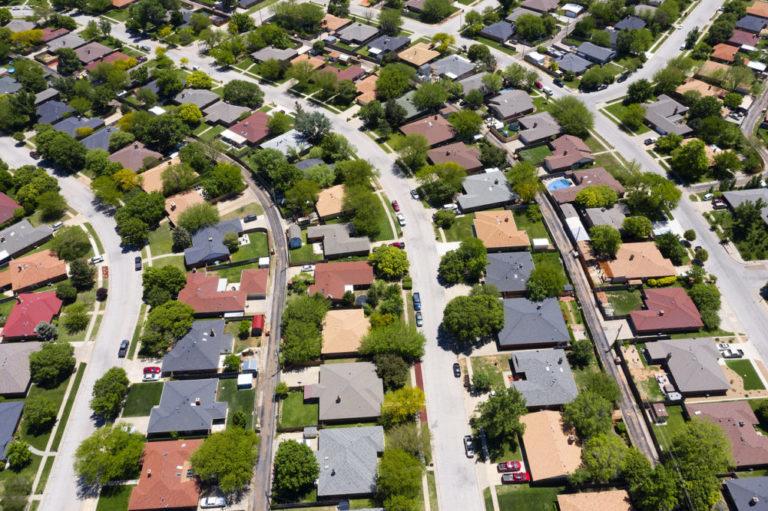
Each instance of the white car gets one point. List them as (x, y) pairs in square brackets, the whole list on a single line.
[(401, 219), (212, 501), (151, 376), (308, 268)]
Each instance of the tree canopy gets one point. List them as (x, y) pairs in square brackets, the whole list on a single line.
[(111, 453)]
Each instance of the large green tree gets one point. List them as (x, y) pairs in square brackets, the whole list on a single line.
[(52, 364), (469, 318), (111, 453), (109, 393), (296, 469), (499, 417), (573, 115), (589, 413), (227, 458)]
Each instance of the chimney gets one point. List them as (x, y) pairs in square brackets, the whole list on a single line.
[(661, 312), (149, 473), (632, 257), (173, 205), (197, 401), (333, 472), (338, 399), (754, 500), (212, 334)]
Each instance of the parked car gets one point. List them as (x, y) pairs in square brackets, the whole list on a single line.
[(308, 268), (548, 91), (152, 370), (559, 82), (451, 207), (416, 301), (212, 501), (123, 351), (723, 346), (250, 218), (731, 353), (57, 226), (456, 370), (97, 259), (151, 377), (145, 48), (648, 141), (538, 84), (508, 466), (708, 196), (469, 448), (401, 219), (395, 206), (137, 263), (719, 204), (398, 244), (515, 478), (415, 194), (419, 319)]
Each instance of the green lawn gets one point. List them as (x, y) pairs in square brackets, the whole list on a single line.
[(675, 423), (44, 475), (5, 310), (141, 398), (610, 163), (534, 228), (68, 407), (258, 247), (295, 414), (212, 133), (535, 155), (303, 255), (118, 14), (549, 257), (114, 498), (618, 109), (746, 370), (160, 241), (624, 301), (462, 229), (594, 144), (254, 208), (385, 229), (177, 261), (238, 399), (54, 395), (525, 498)]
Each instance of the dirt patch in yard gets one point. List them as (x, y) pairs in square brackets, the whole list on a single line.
[(644, 376)]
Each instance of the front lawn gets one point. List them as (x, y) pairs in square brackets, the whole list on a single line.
[(160, 240), (524, 498), (495, 365), (254, 208), (54, 395), (535, 155), (211, 134), (303, 255), (238, 399), (610, 163), (258, 247), (746, 370), (176, 260), (114, 498), (462, 228), (618, 110), (141, 398), (382, 220), (295, 414), (624, 302)]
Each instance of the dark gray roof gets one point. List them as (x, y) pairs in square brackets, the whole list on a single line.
[(200, 97), (474, 82), (14, 366), (406, 101), (309, 163), (452, 66), (71, 124), (630, 23), (736, 198), (499, 31), (692, 363), (19, 25), (667, 116), (485, 190), (544, 377), (10, 414), (348, 458), (9, 85), (387, 43), (187, 406), (357, 33), (43, 96), (595, 53), (208, 243), (752, 23), (509, 271), (200, 349), (272, 53), (99, 139), (223, 112), (16, 238), (511, 103), (613, 216), (538, 127), (51, 111), (748, 494), (70, 40), (349, 391), (528, 323), (573, 63), (338, 240)]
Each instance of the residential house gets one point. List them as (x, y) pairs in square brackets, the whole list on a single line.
[(9, 85), (14, 367), (752, 24), (28, 312), (743, 38), (568, 152), (736, 198), (17, 25), (348, 460), (152, 179), (638, 261), (702, 88), (367, 89), (135, 156), (530, 324), (474, 82), (738, 422), (595, 53), (92, 51), (51, 111), (253, 283), (724, 53), (347, 392), (177, 204), (692, 365), (667, 310), (343, 331), (458, 152), (251, 130), (453, 67), (667, 116), (204, 294), (224, 113), (485, 191), (8, 210), (758, 8), (187, 408), (501, 31), (121, 4), (99, 139), (34, 270), (595, 176), (543, 377), (572, 63), (202, 98), (167, 480), (630, 23), (351, 73), (551, 450), (520, 11), (747, 493), (508, 272), (71, 125), (293, 236), (70, 40), (200, 350), (573, 223), (410, 109), (332, 280), (419, 54), (309, 163), (541, 6), (385, 45), (10, 416), (572, 10), (605, 500), (498, 231), (338, 240), (415, 5), (612, 217), (208, 244), (112, 58), (330, 202), (272, 53), (357, 33), (333, 23), (288, 142), (314, 61), (511, 104), (435, 128), (538, 128), (46, 95)]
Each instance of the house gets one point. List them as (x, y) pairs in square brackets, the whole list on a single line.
[(384, 45), (253, 282), (667, 116), (692, 364), (752, 24), (208, 243), (177, 204), (638, 261), (511, 104), (99, 139), (9, 85), (199, 97), (17, 25), (272, 53), (550, 449), (251, 130), (667, 310), (520, 11), (187, 407), (350, 73), (630, 23), (747, 493), (435, 128), (538, 128), (71, 125), (485, 191), (338, 240), (203, 293), (605, 500), (702, 88), (474, 82), (595, 176), (530, 324), (415, 5), (332, 280), (224, 113), (410, 109), (10, 416), (120, 4), (67, 41), (457, 152), (758, 8), (739, 423), (724, 53), (568, 152), (333, 23), (498, 231), (309, 163), (453, 67), (357, 33), (572, 63), (92, 51), (367, 89), (501, 31), (152, 179), (14, 367), (347, 392), (200, 350), (743, 38), (167, 480), (348, 459), (34, 270), (30, 310), (543, 377), (46, 95), (343, 330), (51, 111), (419, 54), (8, 211), (595, 53), (736, 198), (290, 141), (613, 216), (541, 6), (135, 156), (509, 271), (315, 62), (330, 202), (572, 10)]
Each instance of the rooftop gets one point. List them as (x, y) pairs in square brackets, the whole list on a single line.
[(289, 141), (224, 113), (348, 458), (36, 269), (484, 191), (99, 139), (51, 111), (333, 23), (14, 366), (748, 493), (667, 116), (725, 52), (418, 54), (208, 243), (343, 330), (357, 33), (177, 204), (435, 128), (272, 53), (200, 97), (641, 260), (8, 208), (200, 349), (10, 415), (330, 201), (703, 88), (548, 446), (152, 179), (134, 155), (339, 240), (573, 63), (348, 391), (606, 500), (30, 310), (595, 53), (70, 125), (385, 43), (453, 67), (538, 127), (457, 152), (583, 179), (630, 23), (544, 377), (666, 310), (497, 230), (499, 31), (166, 481), (187, 406), (533, 324), (509, 271), (334, 279), (692, 364), (367, 89), (567, 151), (511, 103), (613, 216), (202, 293), (540, 5), (92, 51)]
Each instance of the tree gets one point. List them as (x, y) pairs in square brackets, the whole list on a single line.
[(469, 318), (39, 414), (639, 91), (597, 196), (413, 151), (198, 216), (581, 354), (227, 459), (594, 78), (397, 338), (605, 240), (66, 292), (466, 263), (302, 321), (52, 206), (223, 181), (530, 27), (649, 194), (727, 164), (296, 469), (163, 132), (81, 274), (279, 123), (572, 115), (75, 318), (18, 455), (466, 124), (399, 475), (525, 181), (401, 406), (336, 148), (68, 61), (190, 113), (603, 385), (339, 7), (733, 100), (389, 262), (133, 232), (602, 459), (177, 178), (162, 284), (312, 125), (390, 21), (71, 243), (301, 197), (430, 96), (707, 300), (392, 369), (440, 182), (436, 10), (394, 80), (109, 393), (52, 364), (499, 417), (633, 117), (637, 227), (670, 247), (546, 280), (165, 323), (111, 453), (46, 331), (634, 42), (589, 414), (65, 152)]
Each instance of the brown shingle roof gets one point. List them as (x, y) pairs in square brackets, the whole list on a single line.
[(330, 201), (458, 152), (133, 155), (314, 61), (165, 481), (724, 52), (152, 179), (583, 179), (638, 261), (497, 230), (202, 294), (567, 151), (758, 8), (435, 128), (350, 73), (49, 34), (333, 23), (36, 269), (177, 204), (92, 51), (418, 54), (253, 128), (739, 37), (343, 330), (332, 279), (367, 89), (253, 282), (702, 88), (607, 500), (550, 452), (667, 310)]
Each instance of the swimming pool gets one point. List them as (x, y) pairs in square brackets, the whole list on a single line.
[(559, 184)]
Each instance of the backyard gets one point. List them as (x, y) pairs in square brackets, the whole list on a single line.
[(746, 370), (495, 365), (535, 155), (462, 229), (624, 301), (160, 241), (141, 398), (295, 414), (305, 254), (675, 423), (257, 247), (533, 226), (238, 399)]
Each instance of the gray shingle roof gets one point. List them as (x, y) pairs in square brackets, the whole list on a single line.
[(520, 11), (751, 23), (200, 97), (630, 23), (338, 241), (484, 191), (406, 101), (595, 53), (538, 127), (529, 324), (474, 82), (509, 271), (573, 63), (499, 31), (285, 143), (309, 163), (613, 216), (748, 494), (511, 103), (19, 25), (208, 243), (667, 116), (43, 96), (20, 236), (70, 40), (224, 113), (736, 198), (272, 53), (9, 85), (349, 391), (14, 366), (200, 349), (357, 33), (51, 111), (71, 124), (454, 67), (692, 363), (99, 139), (348, 458), (10, 414), (547, 379), (187, 406), (385, 44)]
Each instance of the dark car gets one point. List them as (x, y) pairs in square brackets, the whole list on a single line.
[(137, 263), (250, 218), (123, 351), (508, 466), (558, 82), (457, 370), (416, 301), (515, 478), (395, 206), (648, 141), (469, 448)]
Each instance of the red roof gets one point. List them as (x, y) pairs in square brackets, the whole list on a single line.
[(435, 128), (258, 322), (112, 57), (49, 34), (253, 282), (351, 73), (253, 128), (166, 481), (30, 311), (8, 207), (202, 294), (667, 310), (739, 37), (332, 279)]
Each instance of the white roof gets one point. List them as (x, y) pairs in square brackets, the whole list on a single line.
[(245, 380), (577, 229), (574, 8), (157, 110), (233, 137), (757, 66), (535, 56)]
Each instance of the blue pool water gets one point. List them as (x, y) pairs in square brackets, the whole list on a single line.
[(559, 184)]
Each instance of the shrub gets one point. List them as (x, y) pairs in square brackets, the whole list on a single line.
[(662, 281)]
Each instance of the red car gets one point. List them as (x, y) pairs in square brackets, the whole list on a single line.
[(538, 84), (516, 478), (152, 370), (398, 244), (508, 466), (395, 206)]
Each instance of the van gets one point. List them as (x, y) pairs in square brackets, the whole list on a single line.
[(548, 91), (57, 226)]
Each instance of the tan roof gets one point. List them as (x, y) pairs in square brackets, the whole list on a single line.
[(710, 69), (177, 204), (314, 61), (758, 8), (36, 269), (497, 230), (152, 179), (548, 449), (639, 261), (330, 201), (343, 330), (702, 88), (418, 54), (609, 500), (333, 23), (367, 89)]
